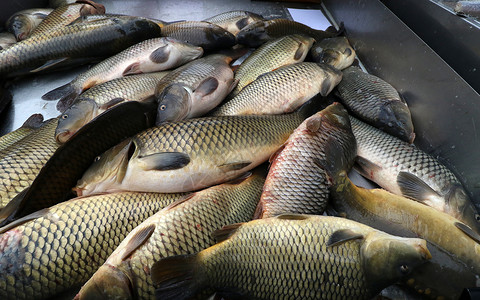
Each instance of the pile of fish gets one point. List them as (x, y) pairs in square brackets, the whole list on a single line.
[(206, 178)]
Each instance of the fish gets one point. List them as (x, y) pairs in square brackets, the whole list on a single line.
[(194, 89), (235, 20), (185, 227), (206, 35), (64, 15), (6, 40), (467, 8), (21, 162), (403, 169), (84, 40), (335, 51), (273, 54), (376, 102), (54, 182), (292, 257), (191, 154), (454, 245), (95, 17), (282, 90), (21, 24), (151, 55), (61, 247), (296, 183), (31, 124), (102, 97), (257, 33)]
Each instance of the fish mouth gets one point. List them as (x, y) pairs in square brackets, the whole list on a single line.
[(78, 191), (422, 249), (63, 136)]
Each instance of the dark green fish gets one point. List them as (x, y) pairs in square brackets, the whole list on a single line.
[(292, 257), (259, 32), (335, 52), (376, 102), (61, 247), (83, 40)]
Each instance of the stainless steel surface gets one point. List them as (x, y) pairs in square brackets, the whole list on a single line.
[(445, 109), (454, 38)]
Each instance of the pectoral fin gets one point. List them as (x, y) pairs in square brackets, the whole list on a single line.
[(165, 161), (302, 49), (234, 166), (342, 236), (132, 69), (160, 55), (226, 232), (140, 237), (413, 187), (207, 86), (111, 103), (24, 220), (468, 231), (49, 64)]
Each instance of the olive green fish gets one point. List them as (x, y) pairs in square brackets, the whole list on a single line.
[(273, 54), (22, 161), (64, 15), (335, 51), (376, 102), (191, 154), (33, 122), (455, 246), (259, 32), (61, 247), (296, 183), (21, 24), (152, 55), (84, 40), (283, 90), (185, 227), (194, 89), (293, 257), (403, 169), (234, 21), (204, 34), (100, 98)]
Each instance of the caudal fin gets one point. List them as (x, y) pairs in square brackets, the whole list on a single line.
[(66, 93), (177, 277)]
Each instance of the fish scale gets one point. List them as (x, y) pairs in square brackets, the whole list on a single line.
[(65, 245), (292, 257), (184, 228), (296, 183), (21, 162), (271, 55), (282, 90)]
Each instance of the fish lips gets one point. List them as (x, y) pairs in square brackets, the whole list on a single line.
[(395, 119)]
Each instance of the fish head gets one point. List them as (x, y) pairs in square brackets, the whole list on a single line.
[(335, 52), (174, 103), (219, 36), (107, 169), (21, 26), (388, 258), (107, 283), (459, 205), (91, 8), (74, 118), (336, 115), (253, 34), (396, 119)]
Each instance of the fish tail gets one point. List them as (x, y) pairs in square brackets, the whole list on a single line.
[(177, 277), (310, 108), (59, 92)]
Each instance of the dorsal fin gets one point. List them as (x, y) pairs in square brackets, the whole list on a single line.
[(140, 237), (226, 232), (342, 236), (180, 201), (240, 179), (468, 231), (24, 220)]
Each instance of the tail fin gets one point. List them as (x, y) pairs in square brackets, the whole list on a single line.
[(311, 107), (66, 93), (177, 277)]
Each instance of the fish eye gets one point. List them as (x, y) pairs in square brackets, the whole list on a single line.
[(163, 107), (96, 159), (477, 217), (404, 269), (65, 116)]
